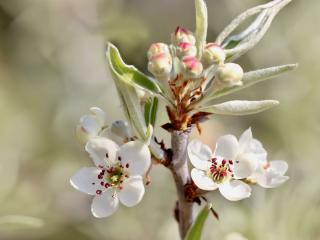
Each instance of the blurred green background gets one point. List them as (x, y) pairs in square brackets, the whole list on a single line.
[(52, 69)]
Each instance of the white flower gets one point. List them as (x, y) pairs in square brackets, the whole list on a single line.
[(91, 125), (231, 161), (270, 174), (117, 175)]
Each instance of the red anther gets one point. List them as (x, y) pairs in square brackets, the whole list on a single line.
[(126, 175), (229, 170), (214, 159), (98, 192), (127, 165), (100, 176), (100, 166), (230, 162), (119, 158), (224, 162), (107, 185), (102, 183)]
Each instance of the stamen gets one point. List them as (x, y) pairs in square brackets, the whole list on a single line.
[(98, 192)]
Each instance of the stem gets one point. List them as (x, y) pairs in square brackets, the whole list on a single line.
[(180, 171)]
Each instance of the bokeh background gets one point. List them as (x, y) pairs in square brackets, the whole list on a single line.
[(53, 68)]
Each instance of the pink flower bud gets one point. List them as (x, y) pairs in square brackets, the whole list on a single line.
[(186, 49), (213, 54), (192, 66), (230, 74), (157, 48), (160, 65), (183, 35)]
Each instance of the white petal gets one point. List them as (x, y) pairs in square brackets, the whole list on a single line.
[(227, 147), (245, 139), (244, 166), (90, 124), (100, 116), (86, 180), (104, 205), (102, 150), (270, 178), (202, 181), (279, 166), (235, 190), (132, 192), (137, 155), (199, 154)]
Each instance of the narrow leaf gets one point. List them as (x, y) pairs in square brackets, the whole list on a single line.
[(154, 111), (147, 110), (251, 78), (201, 25), (196, 229), (240, 108), (127, 93), (255, 32), (129, 73)]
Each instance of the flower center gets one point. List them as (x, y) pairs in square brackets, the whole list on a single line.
[(220, 171), (113, 176)]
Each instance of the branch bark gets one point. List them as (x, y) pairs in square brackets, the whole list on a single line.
[(180, 171)]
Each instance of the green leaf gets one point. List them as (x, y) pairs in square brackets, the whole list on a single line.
[(239, 107), (129, 73), (147, 110), (150, 110), (196, 229), (201, 25), (251, 78), (237, 45), (128, 95), (154, 111)]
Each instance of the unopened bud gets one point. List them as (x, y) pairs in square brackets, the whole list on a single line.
[(213, 54), (91, 125), (230, 74), (157, 48), (121, 129), (186, 49), (160, 65), (192, 66), (183, 35)]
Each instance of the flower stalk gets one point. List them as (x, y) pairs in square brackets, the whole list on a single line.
[(180, 172)]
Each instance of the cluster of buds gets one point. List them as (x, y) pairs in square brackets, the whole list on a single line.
[(184, 53), (186, 50), (160, 60)]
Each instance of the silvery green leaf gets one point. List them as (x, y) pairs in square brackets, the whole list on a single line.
[(238, 44), (131, 74), (127, 93), (196, 229), (150, 110), (239, 107), (251, 78), (201, 25)]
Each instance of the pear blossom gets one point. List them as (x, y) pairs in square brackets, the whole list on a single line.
[(186, 49), (270, 174), (213, 54), (192, 66), (183, 35), (91, 125), (157, 48), (117, 175), (231, 161), (230, 74), (160, 65)]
